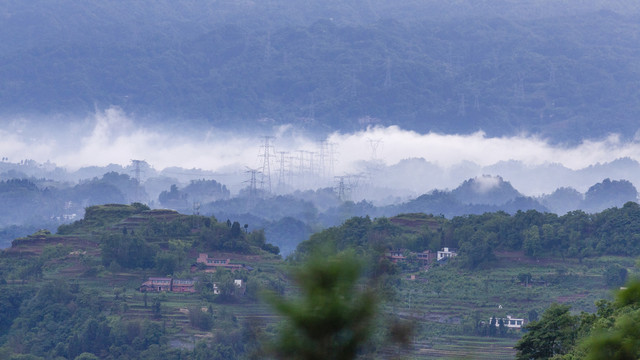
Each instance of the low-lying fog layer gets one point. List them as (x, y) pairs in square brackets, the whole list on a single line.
[(381, 157)]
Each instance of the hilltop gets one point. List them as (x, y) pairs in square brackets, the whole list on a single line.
[(97, 266)]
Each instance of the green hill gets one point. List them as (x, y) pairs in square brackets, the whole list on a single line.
[(77, 290)]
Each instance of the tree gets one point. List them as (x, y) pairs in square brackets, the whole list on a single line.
[(492, 327), (333, 316), (615, 275), (156, 308), (616, 335), (502, 327), (524, 278), (554, 334), (531, 244), (166, 262), (235, 230), (199, 319)]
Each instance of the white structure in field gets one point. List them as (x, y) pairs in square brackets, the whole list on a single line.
[(446, 253)]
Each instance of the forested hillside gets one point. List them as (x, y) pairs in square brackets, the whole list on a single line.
[(78, 293), (575, 235), (565, 73), (83, 288)]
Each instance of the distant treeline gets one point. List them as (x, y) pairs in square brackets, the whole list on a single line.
[(42, 201), (615, 231)]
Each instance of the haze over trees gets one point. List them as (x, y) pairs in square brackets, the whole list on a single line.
[(564, 72), (287, 219)]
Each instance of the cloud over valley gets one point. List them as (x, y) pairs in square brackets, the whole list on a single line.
[(382, 157)]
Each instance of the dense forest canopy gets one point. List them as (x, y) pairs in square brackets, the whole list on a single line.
[(557, 70)]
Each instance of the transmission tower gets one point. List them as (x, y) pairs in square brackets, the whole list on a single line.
[(196, 213), (253, 189), (322, 157), (312, 169), (267, 152), (341, 187), (375, 144), (282, 170), (332, 158), (355, 183), (290, 166), (136, 174), (301, 168)]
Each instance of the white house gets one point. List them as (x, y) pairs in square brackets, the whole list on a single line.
[(446, 253), (236, 282), (509, 322)]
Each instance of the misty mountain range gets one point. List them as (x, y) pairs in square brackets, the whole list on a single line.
[(564, 71), (483, 96), (44, 195)]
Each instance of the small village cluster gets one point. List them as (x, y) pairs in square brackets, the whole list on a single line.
[(162, 284), (168, 284), (425, 258)]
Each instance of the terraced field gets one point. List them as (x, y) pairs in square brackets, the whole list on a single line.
[(441, 302), (448, 305), (465, 347)]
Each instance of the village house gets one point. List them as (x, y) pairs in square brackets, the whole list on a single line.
[(158, 284), (161, 284), (183, 285), (446, 253), (396, 255), (212, 263), (509, 322), (425, 257)]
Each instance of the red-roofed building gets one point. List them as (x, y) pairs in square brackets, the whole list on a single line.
[(156, 284)]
